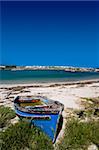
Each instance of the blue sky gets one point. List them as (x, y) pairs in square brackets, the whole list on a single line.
[(50, 33)]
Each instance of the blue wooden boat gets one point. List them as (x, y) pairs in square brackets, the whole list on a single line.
[(41, 112)]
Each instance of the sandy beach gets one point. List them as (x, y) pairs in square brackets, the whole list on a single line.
[(68, 93)]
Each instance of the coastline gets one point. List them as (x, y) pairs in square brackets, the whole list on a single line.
[(85, 81), (55, 68)]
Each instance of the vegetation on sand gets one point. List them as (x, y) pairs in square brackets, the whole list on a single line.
[(6, 114), (79, 135), (22, 136)]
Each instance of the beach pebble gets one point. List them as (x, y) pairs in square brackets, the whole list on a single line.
[(15, 120)]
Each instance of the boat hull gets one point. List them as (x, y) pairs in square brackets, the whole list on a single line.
[(46, 122)]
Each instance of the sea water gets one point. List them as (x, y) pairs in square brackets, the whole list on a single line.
[(34, 76)]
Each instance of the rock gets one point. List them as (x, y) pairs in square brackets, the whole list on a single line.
[(93, 147)]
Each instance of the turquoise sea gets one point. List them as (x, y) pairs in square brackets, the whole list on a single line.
[(34, 76)]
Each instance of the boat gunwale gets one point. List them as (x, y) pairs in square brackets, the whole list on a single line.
[(39, 110)]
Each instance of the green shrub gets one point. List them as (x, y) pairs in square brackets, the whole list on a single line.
[(78, 135), (23, 137), (6, 114)]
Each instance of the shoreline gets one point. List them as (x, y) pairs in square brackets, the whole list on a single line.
[(85, 81), (64, 91)]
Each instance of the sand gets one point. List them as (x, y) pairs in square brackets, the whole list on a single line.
[(70, 94)]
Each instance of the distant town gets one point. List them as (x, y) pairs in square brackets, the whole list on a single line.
[(64, 68)]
